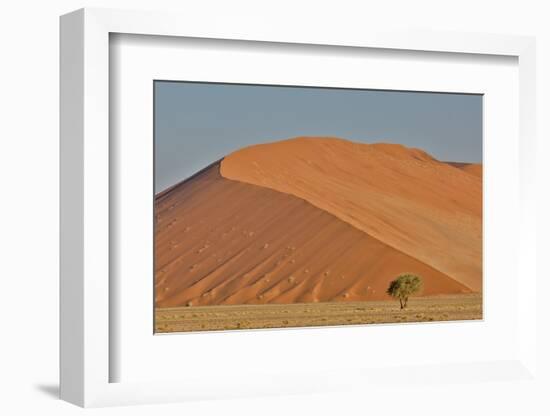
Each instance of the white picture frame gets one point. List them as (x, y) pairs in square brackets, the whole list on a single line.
[(86, 167)]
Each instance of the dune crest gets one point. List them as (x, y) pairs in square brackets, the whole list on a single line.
[(401, 197)]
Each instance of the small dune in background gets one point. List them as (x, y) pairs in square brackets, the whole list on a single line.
[(473, 168), (310, 220)]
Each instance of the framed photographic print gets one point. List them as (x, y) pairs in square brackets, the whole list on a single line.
[(258, 227), (269, 211)]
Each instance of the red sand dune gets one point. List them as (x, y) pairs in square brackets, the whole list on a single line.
[(402, 197), (314, 220), (220, 241)]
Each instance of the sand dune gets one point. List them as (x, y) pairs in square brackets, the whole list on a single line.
[(427, 210), (473, 168), (221, 241)]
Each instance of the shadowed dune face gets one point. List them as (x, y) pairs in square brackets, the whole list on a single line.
[(400, 197), (221, 241)]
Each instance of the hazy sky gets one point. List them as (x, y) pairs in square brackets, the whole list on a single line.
[(199, 123)]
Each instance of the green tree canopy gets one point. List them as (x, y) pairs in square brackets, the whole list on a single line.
[(403, 286)]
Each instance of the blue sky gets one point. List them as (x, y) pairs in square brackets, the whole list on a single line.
[(198, 123)]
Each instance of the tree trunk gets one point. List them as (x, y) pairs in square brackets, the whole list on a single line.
[(406, 300), (401, 302)]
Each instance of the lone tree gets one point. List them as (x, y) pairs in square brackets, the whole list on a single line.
[(404, 286)]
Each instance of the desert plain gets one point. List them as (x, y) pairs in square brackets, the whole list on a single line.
[(311, 230)]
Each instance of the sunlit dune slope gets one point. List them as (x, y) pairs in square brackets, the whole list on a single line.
[(222, 241), (400, 196)]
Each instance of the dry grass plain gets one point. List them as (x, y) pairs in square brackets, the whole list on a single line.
[(420, 309)]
